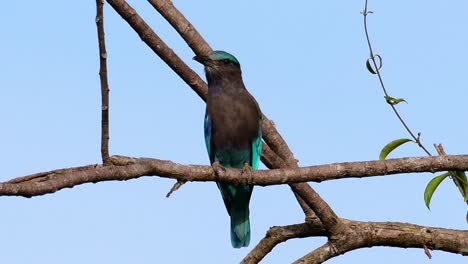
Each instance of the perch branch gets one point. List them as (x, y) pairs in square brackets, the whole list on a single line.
[(126, 168)]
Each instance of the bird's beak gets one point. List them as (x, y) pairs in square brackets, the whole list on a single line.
[(202, 59)]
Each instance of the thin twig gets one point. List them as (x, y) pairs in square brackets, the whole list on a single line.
[(104, 83), (175, 187)]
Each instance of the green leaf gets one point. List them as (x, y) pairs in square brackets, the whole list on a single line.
[(432, 186), (391, 146), (394, 101), (378, 62), (461, 178), (369, 66)]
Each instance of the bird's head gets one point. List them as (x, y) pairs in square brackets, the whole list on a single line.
[(218, 61)]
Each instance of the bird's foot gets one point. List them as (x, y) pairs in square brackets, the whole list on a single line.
[(218, 169), (247, 174)]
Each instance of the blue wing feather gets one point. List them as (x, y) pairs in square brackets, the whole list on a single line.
[(257, 148), (207, 130)]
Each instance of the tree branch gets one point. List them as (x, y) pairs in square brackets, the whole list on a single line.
[(359, 234), (369, 234), (185, 29), (319, 255), (104, 83), (322, 210), (125, 168), (279, 234)]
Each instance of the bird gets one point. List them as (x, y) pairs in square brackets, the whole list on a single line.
[(233, 135)]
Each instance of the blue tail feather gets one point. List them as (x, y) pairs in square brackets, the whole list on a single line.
[(240, 226)]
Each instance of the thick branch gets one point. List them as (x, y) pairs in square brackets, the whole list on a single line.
[(178, 21), (322, 210), (125, 168), (104, 83), (357, 234), (393, 234)]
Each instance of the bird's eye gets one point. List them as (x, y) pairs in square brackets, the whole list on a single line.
[(226, 61)]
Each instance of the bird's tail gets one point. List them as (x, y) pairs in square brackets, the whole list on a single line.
[(240, 226)]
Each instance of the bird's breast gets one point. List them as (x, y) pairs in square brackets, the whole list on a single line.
[(235, 121)]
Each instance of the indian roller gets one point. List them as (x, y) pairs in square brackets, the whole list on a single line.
[(233, 135)]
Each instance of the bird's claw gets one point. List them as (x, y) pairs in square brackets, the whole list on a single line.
[(247, 174), (218, 169)]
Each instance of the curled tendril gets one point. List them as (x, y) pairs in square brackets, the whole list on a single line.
[(373, 61)]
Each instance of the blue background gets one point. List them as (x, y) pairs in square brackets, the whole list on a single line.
[(304, 62)]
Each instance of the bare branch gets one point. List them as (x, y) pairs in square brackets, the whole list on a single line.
[(174, 188), (369, 234), (178, 21), (357, 234), (125, 168), (276, 142), (322, 210), (279, 234), (270, 159), (104, 83), (319, 255)]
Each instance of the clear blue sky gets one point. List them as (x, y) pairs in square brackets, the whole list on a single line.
[(305, 64)]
